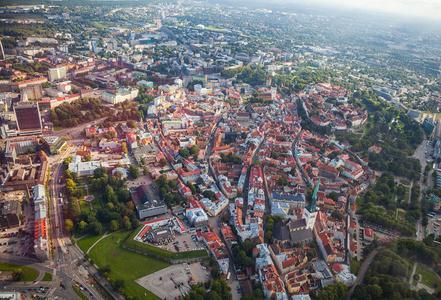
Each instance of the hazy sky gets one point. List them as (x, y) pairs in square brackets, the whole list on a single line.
[(421, 8)]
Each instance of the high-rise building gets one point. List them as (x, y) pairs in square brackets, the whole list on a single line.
[(57, 73), (27, 115)]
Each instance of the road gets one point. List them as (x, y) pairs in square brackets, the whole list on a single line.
[(363, 270), (67, 256)]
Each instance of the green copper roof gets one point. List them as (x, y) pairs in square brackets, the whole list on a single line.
[(312, 207)]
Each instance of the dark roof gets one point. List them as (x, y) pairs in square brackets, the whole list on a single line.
[(281, 232), (300, 235), (297, 224), (278, 196)]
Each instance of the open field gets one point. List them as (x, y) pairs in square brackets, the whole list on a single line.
[(429, 278), (126, 265), (86, 242), (47, 277), (85, 208), (30, 274)]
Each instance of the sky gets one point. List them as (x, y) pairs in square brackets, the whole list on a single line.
[(416, 8)]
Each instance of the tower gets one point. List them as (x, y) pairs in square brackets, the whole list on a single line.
[(268, 81), (273, 92), (310, 211)]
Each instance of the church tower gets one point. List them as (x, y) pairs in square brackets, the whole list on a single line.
[(310, 211), (273, 92), (268, 81)]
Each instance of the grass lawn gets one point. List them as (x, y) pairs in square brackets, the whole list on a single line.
[(47, 277), (405, 182), (79, 293), (30, 274), (85, 206), (355, 266), (86, 242), (429, 278), (126, 265), (401, 214), (96, 203)]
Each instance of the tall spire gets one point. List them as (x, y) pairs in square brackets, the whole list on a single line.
[(312, 207)]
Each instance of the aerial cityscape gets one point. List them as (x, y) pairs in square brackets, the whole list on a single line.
[(220, 150)]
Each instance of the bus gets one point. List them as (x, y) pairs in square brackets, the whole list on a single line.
[(416, 234), (430, 216), (432, 213), (228, 275)]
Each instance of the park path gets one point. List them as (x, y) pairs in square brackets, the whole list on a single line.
[(413, 273), (363, 270), (104, 235)]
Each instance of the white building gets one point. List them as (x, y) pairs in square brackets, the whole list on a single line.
[(120, 96)]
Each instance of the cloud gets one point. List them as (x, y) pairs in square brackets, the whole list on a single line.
[(421, 8)]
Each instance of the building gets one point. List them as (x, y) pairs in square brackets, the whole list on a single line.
[(428, 124), (294, 201), (19, 147), (10, 295), (368, 234), (53, 144), (120, 95), (10, 212), (28, 118), (41, 243), (57, 73), (83, 168), (148, 202), (197, 217), (310, 212)]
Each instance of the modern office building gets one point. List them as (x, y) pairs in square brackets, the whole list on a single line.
[(57, 73)]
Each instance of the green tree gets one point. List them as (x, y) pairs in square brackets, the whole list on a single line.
[(17, 274), (114, 226), (124, 147), (215, 272), (68, 226), (133, 171)]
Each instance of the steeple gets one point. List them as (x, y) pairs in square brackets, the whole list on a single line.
[(312, 207)]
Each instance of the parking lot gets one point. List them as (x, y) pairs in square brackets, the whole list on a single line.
[(434, 224), (173, 281), (184, 242)]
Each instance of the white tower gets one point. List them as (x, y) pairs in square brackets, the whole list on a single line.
[(273, 92)]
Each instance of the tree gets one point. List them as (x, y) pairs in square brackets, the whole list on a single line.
[(133, 171), (162, 162), (25, 201), (67, 161), (31, 150), (68, 226), (225, 218), (131, 124), (119, 284), (87, 157), (185, 153), (105, 271), (17, 275), (114, 226), (215, 272), (124, 147)]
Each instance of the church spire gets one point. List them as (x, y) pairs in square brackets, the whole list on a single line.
[(312, 207)]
